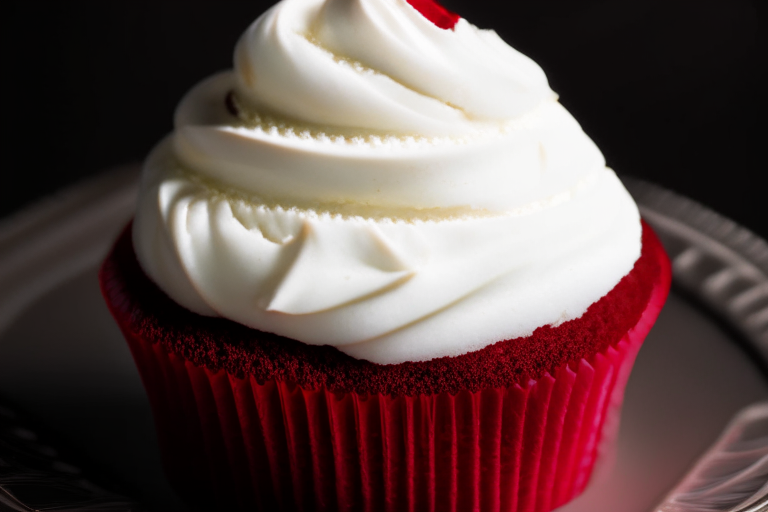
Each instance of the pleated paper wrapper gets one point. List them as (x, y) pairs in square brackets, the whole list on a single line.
[(234, 443)]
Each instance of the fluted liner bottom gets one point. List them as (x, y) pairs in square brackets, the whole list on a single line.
[(238, 444)]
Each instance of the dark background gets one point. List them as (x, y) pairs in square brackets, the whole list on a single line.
[(672, 91)]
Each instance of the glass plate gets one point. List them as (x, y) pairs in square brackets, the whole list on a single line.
[(64, 364)]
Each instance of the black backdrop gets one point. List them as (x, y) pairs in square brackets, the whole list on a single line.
[(672, 91)]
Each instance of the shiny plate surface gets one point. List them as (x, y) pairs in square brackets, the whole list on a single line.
[(65, 370)]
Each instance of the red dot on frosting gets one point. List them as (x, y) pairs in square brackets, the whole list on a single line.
[(435, 13)]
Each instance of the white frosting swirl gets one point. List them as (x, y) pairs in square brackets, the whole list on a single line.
[(395, 70), (396, 190)]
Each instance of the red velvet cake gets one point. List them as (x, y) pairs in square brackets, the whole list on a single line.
[(219, 344), (378, 267), (254, 421)]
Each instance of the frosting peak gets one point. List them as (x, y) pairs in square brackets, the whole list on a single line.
[(368, 180), (373, 66)]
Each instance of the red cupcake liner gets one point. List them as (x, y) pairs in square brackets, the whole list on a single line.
[(237, 443)]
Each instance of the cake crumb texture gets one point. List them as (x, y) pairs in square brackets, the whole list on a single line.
[(143, 310)]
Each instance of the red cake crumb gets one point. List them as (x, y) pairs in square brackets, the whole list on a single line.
[(141, 308), (435, 13)]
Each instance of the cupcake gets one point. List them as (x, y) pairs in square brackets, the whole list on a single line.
[(377, 266)]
